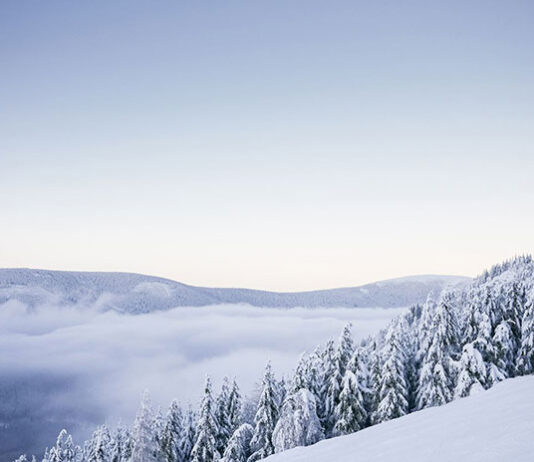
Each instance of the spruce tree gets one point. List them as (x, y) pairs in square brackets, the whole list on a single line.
[(188, 439), (222, 416), (171, 435), (345, 348), (100, 446), (472, 376), (438, 372), (332, 395), (205, 448), (144, 446), (298, 424), (525, 358), (234, 408), (64, 450), (265, 419), (121, 445), (350, 413), (392, 391), (238, 447)]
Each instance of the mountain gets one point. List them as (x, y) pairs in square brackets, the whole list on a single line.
[(136, 293), (493, 425)]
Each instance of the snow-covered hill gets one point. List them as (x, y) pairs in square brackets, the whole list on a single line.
[(494, 425), (136, 293)]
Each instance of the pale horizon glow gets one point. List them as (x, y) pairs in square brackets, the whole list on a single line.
[(276, 146)]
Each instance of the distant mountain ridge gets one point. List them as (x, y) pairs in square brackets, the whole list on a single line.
[(137, 293)]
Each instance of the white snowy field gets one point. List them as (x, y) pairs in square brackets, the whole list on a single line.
[(77, 367), (492, 426)]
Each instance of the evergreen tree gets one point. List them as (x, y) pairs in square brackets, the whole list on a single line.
[(298, 424), (171, 435), (100, 446), (188, 439), (324, 409), (437, 375), (300, 376), (315, 378), (525, 358), (332, 395), (227, 413), (375, 379), (504, 347), (392, 392), (472, 375), (350, 413), (64, 450), (205, 448), (238, 447), (144, 447), (121, 445), (265, 419), (345, 348), (234, 407)]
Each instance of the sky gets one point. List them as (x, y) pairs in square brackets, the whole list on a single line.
[(273, 145)]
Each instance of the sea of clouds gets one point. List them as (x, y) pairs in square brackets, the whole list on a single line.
[(77, 367)]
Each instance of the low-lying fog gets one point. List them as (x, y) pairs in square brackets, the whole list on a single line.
[(78, 367)]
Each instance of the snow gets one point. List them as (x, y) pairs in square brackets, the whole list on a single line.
[(495, 425), (136, 293)]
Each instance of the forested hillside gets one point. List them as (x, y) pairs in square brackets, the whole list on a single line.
[(464, 340)]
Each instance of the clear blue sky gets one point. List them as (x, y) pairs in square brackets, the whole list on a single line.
[(271, 144)]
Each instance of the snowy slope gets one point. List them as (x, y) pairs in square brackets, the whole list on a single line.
[(495, 425), (135, 293)]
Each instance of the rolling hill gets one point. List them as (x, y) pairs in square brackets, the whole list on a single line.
[(136, 293)]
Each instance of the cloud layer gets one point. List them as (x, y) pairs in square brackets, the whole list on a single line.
[(78, 367)]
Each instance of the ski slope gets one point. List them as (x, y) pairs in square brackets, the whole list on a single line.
[(495, 425), (136, 293)]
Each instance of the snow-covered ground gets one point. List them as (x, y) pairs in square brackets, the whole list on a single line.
[(136, 293), (492, 426)]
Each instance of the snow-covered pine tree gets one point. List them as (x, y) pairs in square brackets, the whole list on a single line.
[(350, 413), (24, 458), (144, 445), (121, 445), (314, 376), (345, 348), (504, 348), (234, 407), (225, 413), (99, 449), (265, 419), (326, 360), (336, 364), (238, 447), (64, 450), (298, 424), (332, 395), (392, 391), (359, 366), (187, 442), (472, 376), (525, 357), (300, 376), (437, 376), (171, 435), (205, 448)]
